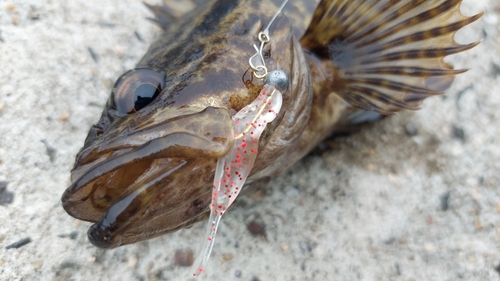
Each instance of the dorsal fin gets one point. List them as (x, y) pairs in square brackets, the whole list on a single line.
[(171, 10), (387, 55)]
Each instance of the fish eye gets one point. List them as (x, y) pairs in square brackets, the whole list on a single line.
[(137, 88)]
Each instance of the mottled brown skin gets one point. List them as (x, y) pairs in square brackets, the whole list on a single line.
[(147, 173)]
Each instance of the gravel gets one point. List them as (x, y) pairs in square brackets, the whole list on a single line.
[(414, 197)]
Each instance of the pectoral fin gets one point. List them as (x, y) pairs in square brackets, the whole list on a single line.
[(387, 55)]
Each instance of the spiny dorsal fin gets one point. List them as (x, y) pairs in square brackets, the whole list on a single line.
[(171, 10), (387, 54)]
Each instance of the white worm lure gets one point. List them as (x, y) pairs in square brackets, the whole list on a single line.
[(249, 123), (233, 169)]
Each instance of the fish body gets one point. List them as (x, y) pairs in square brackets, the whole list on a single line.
[(147, 165)]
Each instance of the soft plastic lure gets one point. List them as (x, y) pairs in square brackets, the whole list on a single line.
[(233, 169)]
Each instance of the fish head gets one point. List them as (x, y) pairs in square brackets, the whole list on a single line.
[(147, 165)]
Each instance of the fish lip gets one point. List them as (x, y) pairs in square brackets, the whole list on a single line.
[(101, 237), (101, 234), (155, 147), (139, 135)]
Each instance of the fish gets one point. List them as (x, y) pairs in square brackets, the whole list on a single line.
[(147, 166)]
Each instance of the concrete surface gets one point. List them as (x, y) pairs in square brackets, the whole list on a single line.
[(415, 197)]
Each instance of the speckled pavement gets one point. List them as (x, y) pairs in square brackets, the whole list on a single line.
[(414, 197)]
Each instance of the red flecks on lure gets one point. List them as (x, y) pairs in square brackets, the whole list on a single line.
[(233, 169)]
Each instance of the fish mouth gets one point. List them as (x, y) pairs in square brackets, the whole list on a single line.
[(137, 193), (171, 194)]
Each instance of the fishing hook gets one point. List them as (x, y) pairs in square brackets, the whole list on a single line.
[(260, 70)]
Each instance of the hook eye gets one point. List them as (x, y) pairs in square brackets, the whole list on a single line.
[(264, 36), (260, 69)]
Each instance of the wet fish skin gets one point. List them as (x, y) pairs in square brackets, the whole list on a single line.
[(145, 173)]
